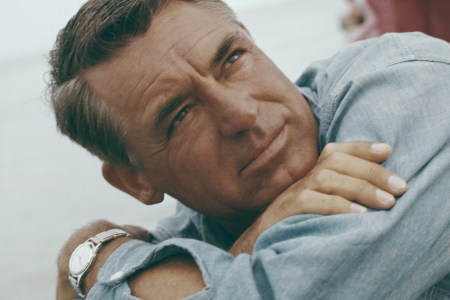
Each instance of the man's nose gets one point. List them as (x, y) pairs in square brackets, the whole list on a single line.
[(234, 112)]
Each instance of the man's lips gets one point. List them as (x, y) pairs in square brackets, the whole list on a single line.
[(264, 156)]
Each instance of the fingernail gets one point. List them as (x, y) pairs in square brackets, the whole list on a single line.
[(356, 208), (384, 196), (396, 182), (380, 147)]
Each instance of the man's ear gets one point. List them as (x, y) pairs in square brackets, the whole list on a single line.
[(132, 182)]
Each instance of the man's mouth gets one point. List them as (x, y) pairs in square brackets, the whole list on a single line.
[(265, 155)]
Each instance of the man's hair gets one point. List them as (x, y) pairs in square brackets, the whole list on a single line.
[(94, 35)]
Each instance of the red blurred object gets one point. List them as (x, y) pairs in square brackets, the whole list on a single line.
[(381, 16)]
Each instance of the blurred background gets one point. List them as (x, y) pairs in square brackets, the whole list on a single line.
[(50, 186)]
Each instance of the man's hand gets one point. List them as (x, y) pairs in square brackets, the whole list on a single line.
[(64, 289), (345, 173)]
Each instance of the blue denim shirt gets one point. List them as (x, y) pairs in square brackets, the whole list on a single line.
[(394, 89)]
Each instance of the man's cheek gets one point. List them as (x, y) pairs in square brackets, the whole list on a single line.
[(192, 162)]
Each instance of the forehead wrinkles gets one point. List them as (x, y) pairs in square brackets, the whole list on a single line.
[(168, 40), (173, 72), (208, 41), (178, 56), (152, 63), (180, 49), (182, 26), (193, 30)]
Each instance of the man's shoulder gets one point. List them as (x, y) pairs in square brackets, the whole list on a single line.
[(391, 49), (383, 59), (373, 55), (376, 89), (359, 65)]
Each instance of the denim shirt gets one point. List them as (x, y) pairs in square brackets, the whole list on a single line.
[(394, 89)]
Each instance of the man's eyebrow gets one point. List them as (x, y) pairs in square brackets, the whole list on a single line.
[(223, 49), (167, 109)]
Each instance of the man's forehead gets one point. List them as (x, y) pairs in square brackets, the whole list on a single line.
[(186, 24), (179, 29)]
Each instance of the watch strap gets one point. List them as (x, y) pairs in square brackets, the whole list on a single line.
[(108, 235)]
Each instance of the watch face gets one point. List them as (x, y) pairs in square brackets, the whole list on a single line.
[(81, 258)]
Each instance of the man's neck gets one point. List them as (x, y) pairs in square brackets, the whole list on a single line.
[(238, 225)]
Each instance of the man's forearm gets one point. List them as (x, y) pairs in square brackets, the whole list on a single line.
[(175, 278), (344, 174)]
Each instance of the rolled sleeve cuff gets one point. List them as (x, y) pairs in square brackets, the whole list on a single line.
[(135, 255)]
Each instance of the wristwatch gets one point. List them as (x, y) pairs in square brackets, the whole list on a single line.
[(84, 255)]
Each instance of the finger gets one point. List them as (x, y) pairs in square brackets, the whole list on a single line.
[(351, 188), (312, 202), (372, 151), (371, 172)]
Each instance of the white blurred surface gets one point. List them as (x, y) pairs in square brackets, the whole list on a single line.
[(50, 186)]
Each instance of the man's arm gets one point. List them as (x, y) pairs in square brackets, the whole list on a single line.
[(344, 174), (345, 171), (174, 278)]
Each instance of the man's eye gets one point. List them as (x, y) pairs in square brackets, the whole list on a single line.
[(235, 55), (178, 118)]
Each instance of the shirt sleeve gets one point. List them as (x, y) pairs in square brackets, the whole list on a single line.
[(395, 90)]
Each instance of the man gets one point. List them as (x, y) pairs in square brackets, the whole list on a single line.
[(196, 110)]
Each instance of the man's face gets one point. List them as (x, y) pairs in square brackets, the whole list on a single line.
[(213, 121)]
